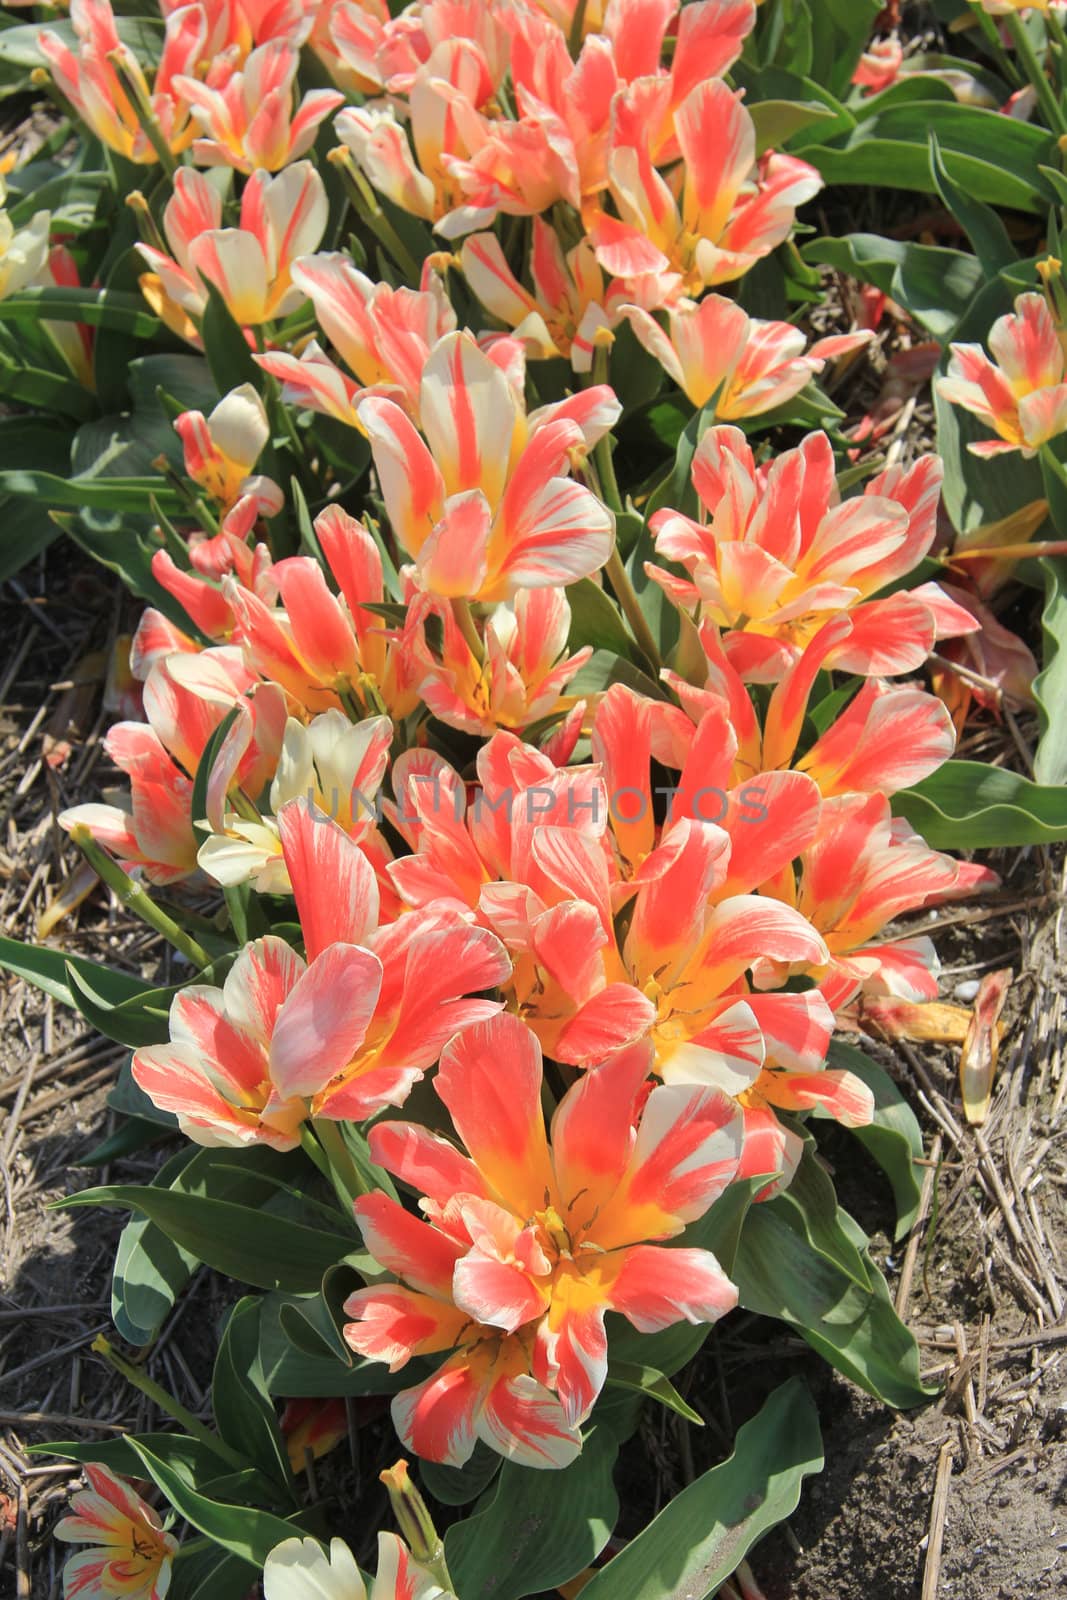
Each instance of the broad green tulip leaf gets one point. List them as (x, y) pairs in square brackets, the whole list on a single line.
[(244, 1531), (647, 1381), (458, 1486), (894, 1138), (141, 1021), (936, 285), (99, 308), (47, 969), (226, 348), (698, 1541), (42, 390), (781, 1275), (967, 805), (231, 1238), (810, 1204), (596, 621), (190, 1459), (996, 159), (539, 1528), (1050, 687), (185, 378), (244, 1414), (132, 1134), (987, 233), (150, 1269), (114, 495), (292, 1372), (207, 1574)]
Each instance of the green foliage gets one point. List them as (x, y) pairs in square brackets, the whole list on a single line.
[(699, 1540), (537, 1529)]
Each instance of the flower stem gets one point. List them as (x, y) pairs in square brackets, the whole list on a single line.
[(626, 595), (1036, 73), (142, 107), (343, 1169), (992, 37), (166, 1402), (461, 610), (365, 203), (132, 895)]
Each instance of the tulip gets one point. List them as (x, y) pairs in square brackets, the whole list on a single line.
[(281, 218), (299, 1569), (221, 450), (527, 1245), (130, 1556), (484, 505), (1021, 394), (749, 366), (781, 554), (248, 115)]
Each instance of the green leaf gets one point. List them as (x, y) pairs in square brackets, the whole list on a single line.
[(186, 378), (698, 1541), (209, 1575), (810, 1205), (227, 349), (458, 1486), (27, 530), (647, 1381), (115, 495), (292, 1372), (996, 159), (776, 121), (49, 970), (240, 1400), (189, 1459), (45, 391), (247, 1533), (988, 235), (605, 668), (133, 1022), (1050, 687), (779, 1274), (596, 621), (894, 1139), (150, 1269), (937, 286), (231, 1238), (99, 308), (539, 1528), (967, 805)]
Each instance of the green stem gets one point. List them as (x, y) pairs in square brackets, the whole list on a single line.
[(166, 1402), (461, 610), (143, 111), (1056, 28), (626, 595), (574, 42), (992, 38), (366, 205), (1036, 73), (132, 896), (605, 471), (346, 1176), (313, 1149)]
